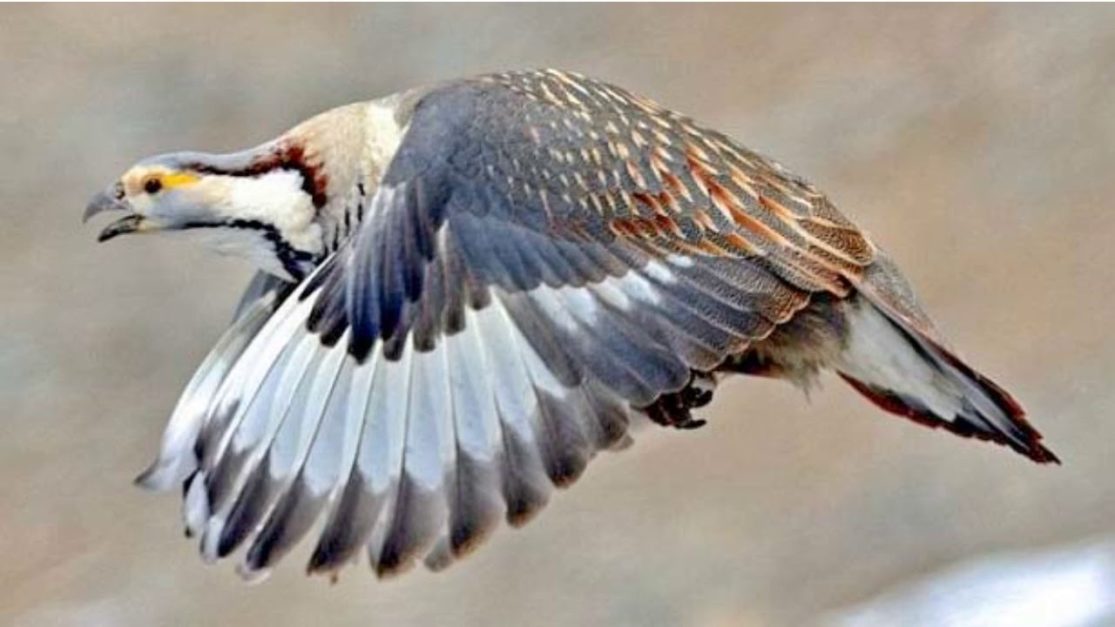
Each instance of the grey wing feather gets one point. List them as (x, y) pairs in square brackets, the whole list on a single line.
[(176, 459), (262, 284)]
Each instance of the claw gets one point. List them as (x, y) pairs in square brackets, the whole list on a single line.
[(675, 409)]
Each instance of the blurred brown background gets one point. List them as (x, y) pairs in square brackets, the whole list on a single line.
[(976, 142)]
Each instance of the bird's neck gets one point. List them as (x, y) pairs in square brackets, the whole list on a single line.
[(291, 202), (346, 151)]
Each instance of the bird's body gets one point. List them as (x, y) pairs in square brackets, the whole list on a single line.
[(467, 290)]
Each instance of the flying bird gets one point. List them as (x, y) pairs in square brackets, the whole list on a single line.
[(468, 289)]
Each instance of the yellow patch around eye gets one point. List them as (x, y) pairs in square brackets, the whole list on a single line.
[(178, 179)]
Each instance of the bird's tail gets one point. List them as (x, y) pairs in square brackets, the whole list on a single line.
[(895, 358)]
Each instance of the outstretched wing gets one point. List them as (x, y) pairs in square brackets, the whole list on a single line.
[(544, 256)]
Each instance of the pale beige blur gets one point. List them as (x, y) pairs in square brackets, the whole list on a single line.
[(975, 143)]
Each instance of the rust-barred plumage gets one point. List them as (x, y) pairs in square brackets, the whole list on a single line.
[(676, 187), (474, 287)]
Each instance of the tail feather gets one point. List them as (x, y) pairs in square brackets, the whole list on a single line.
[(908, 372)]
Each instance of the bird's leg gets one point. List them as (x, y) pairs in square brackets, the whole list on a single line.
[(675, 409)]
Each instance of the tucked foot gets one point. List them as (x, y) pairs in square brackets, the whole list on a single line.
[(675, 409)]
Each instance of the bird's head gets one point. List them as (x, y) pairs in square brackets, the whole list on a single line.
[(283, 205), (260, 204)]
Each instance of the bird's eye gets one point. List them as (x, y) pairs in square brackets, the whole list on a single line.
[(152, 185)]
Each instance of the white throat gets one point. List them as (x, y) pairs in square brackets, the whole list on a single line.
[(262, 214), (275, 198)]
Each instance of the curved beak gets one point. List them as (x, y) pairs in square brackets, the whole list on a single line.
[(111, 200)]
